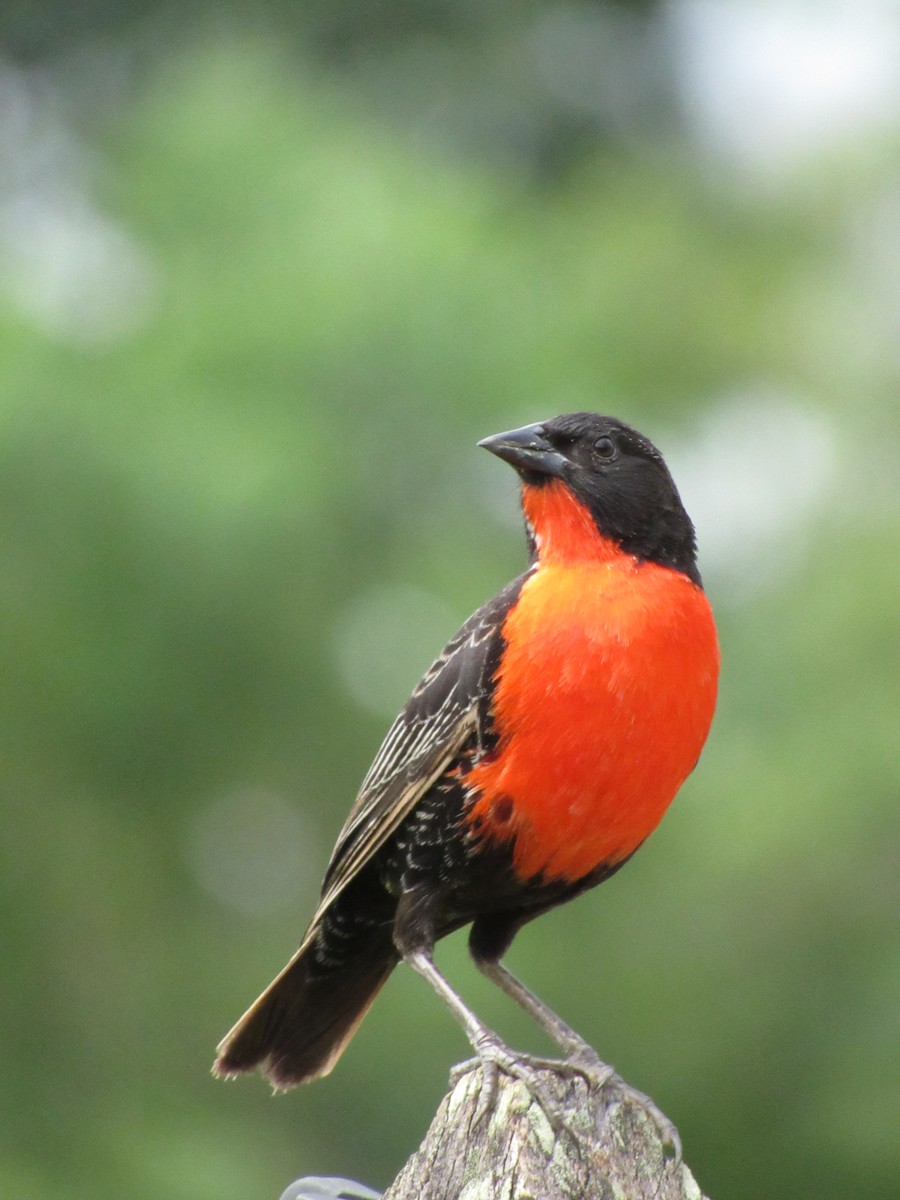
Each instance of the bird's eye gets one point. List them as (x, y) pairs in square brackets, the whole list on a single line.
[(605, 448)]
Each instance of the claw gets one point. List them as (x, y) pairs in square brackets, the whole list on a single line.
[(494, 1057), (490, 1076), (585, 1061), (666, 1128), (593, 1070), (487, 1097)]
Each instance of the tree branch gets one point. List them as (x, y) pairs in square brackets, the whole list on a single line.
[(610, 1149)]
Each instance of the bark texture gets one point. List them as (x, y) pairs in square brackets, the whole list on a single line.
[(609, 1148)]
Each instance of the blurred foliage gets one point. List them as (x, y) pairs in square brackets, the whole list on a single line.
[(197, 509), (534, 86)]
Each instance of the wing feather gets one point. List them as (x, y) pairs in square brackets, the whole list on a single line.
[(447, 711)]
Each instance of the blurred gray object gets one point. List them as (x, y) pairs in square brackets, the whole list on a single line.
[(328, 1187)]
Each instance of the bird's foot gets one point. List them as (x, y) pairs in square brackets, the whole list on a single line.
[(585, 1061), (581, 1061), (493, 1056)]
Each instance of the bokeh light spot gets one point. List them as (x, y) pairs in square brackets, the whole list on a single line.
[(252, 851)]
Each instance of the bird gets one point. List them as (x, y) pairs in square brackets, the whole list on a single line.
[(538, 752)]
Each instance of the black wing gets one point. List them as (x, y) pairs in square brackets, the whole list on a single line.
[(449, 708)]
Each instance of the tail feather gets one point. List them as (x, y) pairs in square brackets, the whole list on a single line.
[(300, 1025)]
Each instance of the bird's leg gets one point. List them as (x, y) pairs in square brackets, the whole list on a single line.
[(579, 1054), (414, 937), (493, 1055), (581, 1057)]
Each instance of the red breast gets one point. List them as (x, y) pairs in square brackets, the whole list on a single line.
[(602, 702)]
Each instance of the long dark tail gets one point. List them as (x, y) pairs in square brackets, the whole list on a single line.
[(298, 1028)]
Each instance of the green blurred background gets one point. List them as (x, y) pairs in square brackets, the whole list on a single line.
[(265, 278)]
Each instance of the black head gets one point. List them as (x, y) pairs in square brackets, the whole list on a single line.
[(618, 475)]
